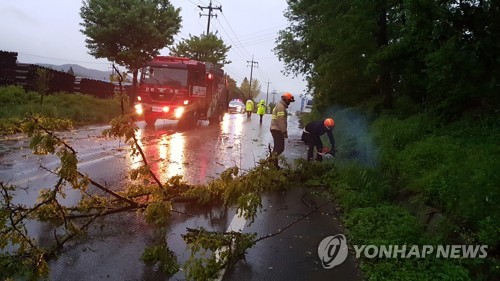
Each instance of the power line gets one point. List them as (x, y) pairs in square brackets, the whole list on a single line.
[(210, 8), (233, 73), (258, 37), (257, 41), (61, 59), (233, 44), (195, 3), (236, 36)]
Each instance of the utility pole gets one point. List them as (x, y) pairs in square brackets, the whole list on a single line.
[(267, 92), (210, 8), (274, 94), (252, 63)]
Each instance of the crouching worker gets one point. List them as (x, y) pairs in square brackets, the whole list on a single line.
[(312, 137)]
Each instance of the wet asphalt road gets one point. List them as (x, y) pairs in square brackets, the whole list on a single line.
[(113, 252)]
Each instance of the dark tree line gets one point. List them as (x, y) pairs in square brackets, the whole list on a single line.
[(396, 54)]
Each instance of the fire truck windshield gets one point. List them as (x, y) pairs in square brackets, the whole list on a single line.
[(166, 76)]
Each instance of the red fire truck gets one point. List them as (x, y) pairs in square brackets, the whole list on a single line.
[(181, 89)]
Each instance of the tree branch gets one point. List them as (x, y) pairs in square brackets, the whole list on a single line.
[(292, 223), (136, 143)]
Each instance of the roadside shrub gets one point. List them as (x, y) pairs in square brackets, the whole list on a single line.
[(305, 118), (430, 269), (85, 109), (10, 126), (458, 176), (15, 95), (393, 134), (383, 225), (358, 186), (424, 166), (81, 109)]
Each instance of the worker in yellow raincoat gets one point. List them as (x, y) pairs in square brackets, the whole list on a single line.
[(261, 109), (249, 107)]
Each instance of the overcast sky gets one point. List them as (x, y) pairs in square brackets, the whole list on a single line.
[(48, 31)]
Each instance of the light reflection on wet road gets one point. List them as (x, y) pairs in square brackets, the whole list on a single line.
[(205, 152)]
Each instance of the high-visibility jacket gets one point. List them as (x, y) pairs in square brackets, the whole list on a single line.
[(249, 105), (279, 117), (261, 108)]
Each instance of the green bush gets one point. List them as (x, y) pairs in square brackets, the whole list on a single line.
[(10, 126), (424, 165), (358, 186), (383, 225), (430, 269), (392, 132), (15, 103), (15, 95)]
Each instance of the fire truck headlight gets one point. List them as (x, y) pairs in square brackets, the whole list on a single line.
[(178, 112), (166, 109), (138, 108), (139, 98), (186, 102)]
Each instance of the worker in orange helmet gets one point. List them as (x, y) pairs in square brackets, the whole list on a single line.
[(279, 129), (312, 137)]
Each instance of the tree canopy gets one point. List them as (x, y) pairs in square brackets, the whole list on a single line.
[(129, 32), (245, 89), (208, 48), (396, 54)]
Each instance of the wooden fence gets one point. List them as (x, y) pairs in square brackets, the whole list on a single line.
[(22, 74)]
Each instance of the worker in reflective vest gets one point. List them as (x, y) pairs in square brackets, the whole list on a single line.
[(279, 129), (249, 108), (261, 109)]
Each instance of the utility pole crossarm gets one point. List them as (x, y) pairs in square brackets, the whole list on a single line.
[(209, 15), (252, 65)]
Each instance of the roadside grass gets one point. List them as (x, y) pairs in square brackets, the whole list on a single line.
[(415, 181), (64, 109)]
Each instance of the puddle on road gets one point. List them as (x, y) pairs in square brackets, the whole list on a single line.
[(197, 155)]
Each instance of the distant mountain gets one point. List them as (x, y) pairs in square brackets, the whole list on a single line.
[(80, 71)]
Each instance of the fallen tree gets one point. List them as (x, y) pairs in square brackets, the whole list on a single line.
[(154, 200)]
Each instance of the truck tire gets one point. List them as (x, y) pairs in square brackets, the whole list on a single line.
[(216, 118), (150, 119), (188, 121)]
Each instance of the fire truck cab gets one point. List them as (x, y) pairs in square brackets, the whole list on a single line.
[(181, 89)]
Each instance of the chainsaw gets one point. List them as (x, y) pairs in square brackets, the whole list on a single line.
[(327, 151)]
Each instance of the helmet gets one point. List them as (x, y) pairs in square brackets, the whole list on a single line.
[(329, 123), (287, 96), (262, 101)]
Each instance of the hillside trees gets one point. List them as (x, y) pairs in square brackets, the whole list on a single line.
[(233, 91), (247, 92), (411, 54), (128, 32)]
